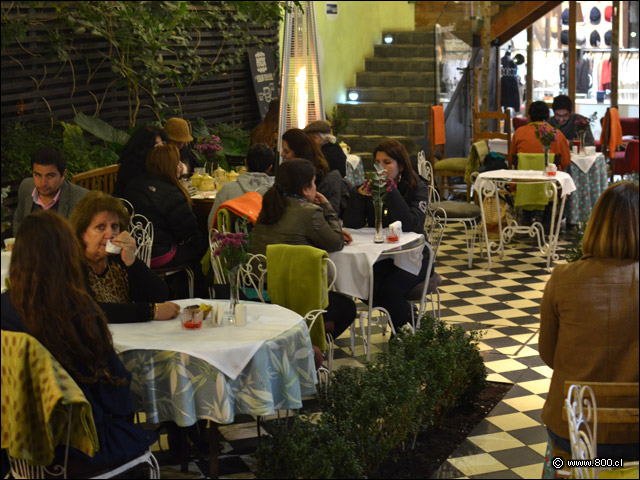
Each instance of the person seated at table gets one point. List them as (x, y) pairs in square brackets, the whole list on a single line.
[(48, 300), (177, 131), (525, 141), (565, 120), (134, 155), (124, 287), (406, 202), (47, 188), (297, 144), (259, 163), (320, 132), (589, 318), (159, 195), (295, 213)]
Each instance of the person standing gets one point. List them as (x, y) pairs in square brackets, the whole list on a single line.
[(47, 188)]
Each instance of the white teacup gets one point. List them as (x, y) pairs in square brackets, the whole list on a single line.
[(111, 248), (8, 243)]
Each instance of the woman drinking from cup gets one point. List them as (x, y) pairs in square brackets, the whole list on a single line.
[(126, 289), (406, 202)]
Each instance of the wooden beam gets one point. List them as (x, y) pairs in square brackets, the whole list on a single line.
[(529, 66), (518, 17), (571, 71), (615, 51)]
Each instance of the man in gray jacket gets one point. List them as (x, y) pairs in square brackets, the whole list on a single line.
[(48, 188), (259, 162)]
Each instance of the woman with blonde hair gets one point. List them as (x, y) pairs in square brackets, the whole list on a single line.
[(589, 319), (159, 196), (48, 300)]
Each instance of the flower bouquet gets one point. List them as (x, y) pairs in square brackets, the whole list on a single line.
[(208, 147), (378, 184), (232, 251), (546, 134)]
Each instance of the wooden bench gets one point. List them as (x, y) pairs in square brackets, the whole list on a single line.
[(103, 178)]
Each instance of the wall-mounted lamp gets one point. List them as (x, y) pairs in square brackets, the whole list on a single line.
[(353, 95), (388, 38)]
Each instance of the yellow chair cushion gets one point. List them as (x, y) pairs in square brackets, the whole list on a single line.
[(455, 163)]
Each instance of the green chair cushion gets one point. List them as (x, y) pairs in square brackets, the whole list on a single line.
[(455, 163)]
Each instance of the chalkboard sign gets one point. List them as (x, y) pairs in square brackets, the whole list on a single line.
[(264, 78)]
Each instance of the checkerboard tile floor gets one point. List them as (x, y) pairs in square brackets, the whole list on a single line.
[(504, 304)]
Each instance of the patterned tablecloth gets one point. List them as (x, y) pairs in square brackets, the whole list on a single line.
[(173, 385), (589, 185)]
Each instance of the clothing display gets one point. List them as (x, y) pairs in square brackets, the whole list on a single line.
[(509, 84)]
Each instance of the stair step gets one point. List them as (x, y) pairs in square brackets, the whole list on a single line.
[(408, 50), (395, 94), (416, 37), (409, 64), (395, 79), (407, 128), (386, 110), (368, 143)]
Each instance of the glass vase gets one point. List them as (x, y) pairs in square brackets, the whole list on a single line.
[(378, 236), (582, 136), (234, 296), (546, 155)]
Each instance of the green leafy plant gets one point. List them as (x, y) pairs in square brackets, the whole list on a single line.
[(81, 155), (339, 120), (574, 249), (150, 44), (299, 448), (373, 410)]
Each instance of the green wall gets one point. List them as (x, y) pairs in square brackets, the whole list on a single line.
[(348, 39)]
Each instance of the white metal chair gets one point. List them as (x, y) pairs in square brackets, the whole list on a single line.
[(141, 229), (252, 276), (450, 212), (128, 205), (583, 415)]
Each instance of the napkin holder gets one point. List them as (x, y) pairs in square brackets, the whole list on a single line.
[(395, 231)]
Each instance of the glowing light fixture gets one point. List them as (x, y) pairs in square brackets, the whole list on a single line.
[(301, 100), (353, 95), (388, 38)]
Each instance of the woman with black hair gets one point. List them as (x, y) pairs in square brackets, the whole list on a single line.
[(134, 155), (406, 202)]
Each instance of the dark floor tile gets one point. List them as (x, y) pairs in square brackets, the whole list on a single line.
[(502, 409), (497, 475), (484, 428), (506, 297), (447, 470), (517, 391), (482, 316), (517, 288), (502, 342), (532, 361), (518, 457), (466, 448), (530, 435), (513, 330)]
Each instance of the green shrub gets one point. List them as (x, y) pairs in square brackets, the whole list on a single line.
[(370, 411), (19, 141), (298, 448)]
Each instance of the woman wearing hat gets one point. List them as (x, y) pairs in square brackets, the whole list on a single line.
[(320, 132), (177, 131)]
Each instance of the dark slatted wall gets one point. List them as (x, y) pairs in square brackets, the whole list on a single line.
[(44, 86)]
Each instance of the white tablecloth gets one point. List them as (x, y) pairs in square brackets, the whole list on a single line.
[(584, 162), (564, 179), (354, 160), (6, 261), (354, 261), (228, 348)]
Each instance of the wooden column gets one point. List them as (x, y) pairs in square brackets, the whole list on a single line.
[(529, 66), (615, 51), (571, 73)]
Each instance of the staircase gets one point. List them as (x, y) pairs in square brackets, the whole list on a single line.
[(395, 92)]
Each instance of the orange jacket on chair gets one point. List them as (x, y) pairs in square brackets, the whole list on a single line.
[(249, 204)]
